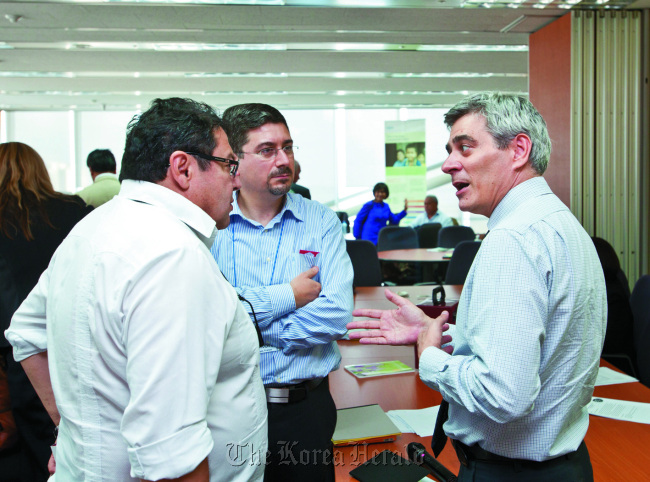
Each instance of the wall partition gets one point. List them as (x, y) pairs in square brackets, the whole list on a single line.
[(609, 148)]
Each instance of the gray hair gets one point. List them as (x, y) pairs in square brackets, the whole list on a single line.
[(506, 116)]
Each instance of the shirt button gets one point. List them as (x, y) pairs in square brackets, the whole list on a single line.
[(268, 260)]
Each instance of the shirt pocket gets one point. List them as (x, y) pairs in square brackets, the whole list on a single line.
[(301, 262)]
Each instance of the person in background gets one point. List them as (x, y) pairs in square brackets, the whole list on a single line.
[(152, 357), (286, 256), (520, 371), (296, 188), (106, 185), (431, 214), (376, 214), (411, 157), (34, 219), (400, 157)]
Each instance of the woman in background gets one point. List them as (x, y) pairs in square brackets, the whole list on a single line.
[(375, 214), (34, 219)]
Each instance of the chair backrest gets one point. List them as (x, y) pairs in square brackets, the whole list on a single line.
[(365, 262), (428, 235), (450, 236), (343, 217), (397, 237), (461, 261), (640, 303)]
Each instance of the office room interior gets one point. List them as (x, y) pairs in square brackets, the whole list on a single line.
[(73, 73)]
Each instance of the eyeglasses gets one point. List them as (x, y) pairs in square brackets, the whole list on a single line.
[(234, 165), (269, 153)]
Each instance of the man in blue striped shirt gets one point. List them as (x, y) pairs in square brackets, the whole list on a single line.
[(286, 257), (531, 318)]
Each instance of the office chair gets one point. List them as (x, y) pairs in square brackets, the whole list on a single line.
[(461, 261), (618, 349), (365, 262), (397, 237), (640, 303), (428, 235), (343, 218), (450, 236)]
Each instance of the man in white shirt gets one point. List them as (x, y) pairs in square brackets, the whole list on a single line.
[(531, 318), (154, 362), (431, 214)]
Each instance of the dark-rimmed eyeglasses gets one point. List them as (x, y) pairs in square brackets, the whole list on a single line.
[(234, 165), (269, 153)]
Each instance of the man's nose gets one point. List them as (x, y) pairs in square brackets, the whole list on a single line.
[(236, 182)]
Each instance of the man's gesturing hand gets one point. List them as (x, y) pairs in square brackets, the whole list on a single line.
[(402, 326), (305, 289)]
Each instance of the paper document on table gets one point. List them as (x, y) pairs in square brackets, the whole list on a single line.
[(421, 422), (620, 409), (607, 376), (441, 250)]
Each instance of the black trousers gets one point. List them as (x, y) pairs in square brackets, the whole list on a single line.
[(35, 427), (300, 438), (576, 468)]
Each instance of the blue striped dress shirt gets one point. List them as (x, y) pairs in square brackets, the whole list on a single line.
[(260, 262), (530, 328)]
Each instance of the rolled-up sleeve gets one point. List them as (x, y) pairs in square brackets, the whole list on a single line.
[(28, 330)]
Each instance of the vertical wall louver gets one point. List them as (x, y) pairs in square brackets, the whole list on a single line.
[(608, 178)]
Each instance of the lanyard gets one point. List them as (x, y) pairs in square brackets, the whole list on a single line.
[(234, 257)]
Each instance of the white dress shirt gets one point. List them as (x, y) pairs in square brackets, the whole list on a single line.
[(529, 332), (439, 217), (153, 359)]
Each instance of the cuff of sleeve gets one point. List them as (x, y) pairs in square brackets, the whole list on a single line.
[(23, 348), (172, 457), (282, 300), (433, 362)]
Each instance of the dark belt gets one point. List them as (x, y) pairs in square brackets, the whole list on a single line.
[(466, 454), (291, 393)]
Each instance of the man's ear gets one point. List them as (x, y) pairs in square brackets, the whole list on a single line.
[(181, 169), (521, 146)]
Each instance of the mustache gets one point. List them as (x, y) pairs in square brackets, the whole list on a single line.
[(280, 171)]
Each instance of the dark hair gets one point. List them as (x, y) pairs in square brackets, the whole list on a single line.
[(412, 146), (169, 125), (101, 160), (381, 186), (242, 118), (24, 186)]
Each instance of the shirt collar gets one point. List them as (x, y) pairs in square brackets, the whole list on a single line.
[(293, 203), (105, 175), (189, 213), (517, 195)]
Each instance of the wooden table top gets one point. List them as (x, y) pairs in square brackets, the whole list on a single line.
[(421, 255), (618, 450)]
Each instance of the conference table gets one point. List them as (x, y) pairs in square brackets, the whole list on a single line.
[(619, 450), (420, 255), (434, 262)]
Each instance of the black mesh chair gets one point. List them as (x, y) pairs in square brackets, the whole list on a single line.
[(461, 261), (640, 303), (343, 218), (397, 237), (450, 236), (618, 349), (428, 235), (365, 262)]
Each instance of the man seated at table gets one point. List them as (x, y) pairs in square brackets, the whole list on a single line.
[(531, 317), (431, 214)]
